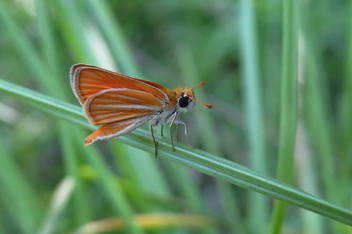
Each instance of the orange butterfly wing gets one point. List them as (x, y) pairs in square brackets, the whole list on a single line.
[(120, 103), (113, 105), (87, 80)]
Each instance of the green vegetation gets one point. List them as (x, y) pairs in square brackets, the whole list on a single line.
[(278, 75)]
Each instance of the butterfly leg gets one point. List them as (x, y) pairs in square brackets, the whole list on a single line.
[(161, 131), (170, 126), (152, 132), (177, 130), (178, 122)]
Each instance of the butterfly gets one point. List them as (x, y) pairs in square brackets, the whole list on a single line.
[(122, 104)]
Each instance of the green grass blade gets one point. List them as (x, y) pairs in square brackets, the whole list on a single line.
[(345, 143), (112, 187), (146, 170), (199, 160), (115, 38), (81, 206), (288, 116), (21, 199), (258, 207), (75, 32), (318, 121), (58, 204), (307, 180), (67, 111), (186, 187), (345, 129), (45, 26), (138, 195), (319, 124), (23, 45)]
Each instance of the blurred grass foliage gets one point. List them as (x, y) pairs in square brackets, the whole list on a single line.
[(51, 183)]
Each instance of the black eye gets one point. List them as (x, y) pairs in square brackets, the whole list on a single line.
[(183, 101)]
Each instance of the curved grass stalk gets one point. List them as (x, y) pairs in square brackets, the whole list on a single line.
[(201, 161)]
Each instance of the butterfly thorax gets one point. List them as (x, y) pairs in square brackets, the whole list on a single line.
[(180, 101)]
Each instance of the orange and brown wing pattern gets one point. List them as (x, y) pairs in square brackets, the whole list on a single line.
[(87, 80), (113, 105)]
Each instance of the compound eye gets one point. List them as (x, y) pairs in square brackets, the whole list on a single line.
[(183, 101)]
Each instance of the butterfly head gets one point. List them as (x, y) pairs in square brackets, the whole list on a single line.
[(187, 99)]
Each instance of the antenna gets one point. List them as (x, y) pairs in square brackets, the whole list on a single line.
[(200, 84), (206, 105)]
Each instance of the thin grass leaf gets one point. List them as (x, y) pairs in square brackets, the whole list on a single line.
[(45, 27), (115, 38), (187, 187), (288, 115), (21, 199), (76, 30), (199, 160), (58, 204), (48, 104), (319, 124), (81, 205), (307, 180), (345, 143), (23, 45), (112, 187), (258, 207), (138, 195)]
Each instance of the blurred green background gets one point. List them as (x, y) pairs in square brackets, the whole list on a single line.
[(51, 183)]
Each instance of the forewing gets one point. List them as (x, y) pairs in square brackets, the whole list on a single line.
[(114, 105), (87, 80)]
